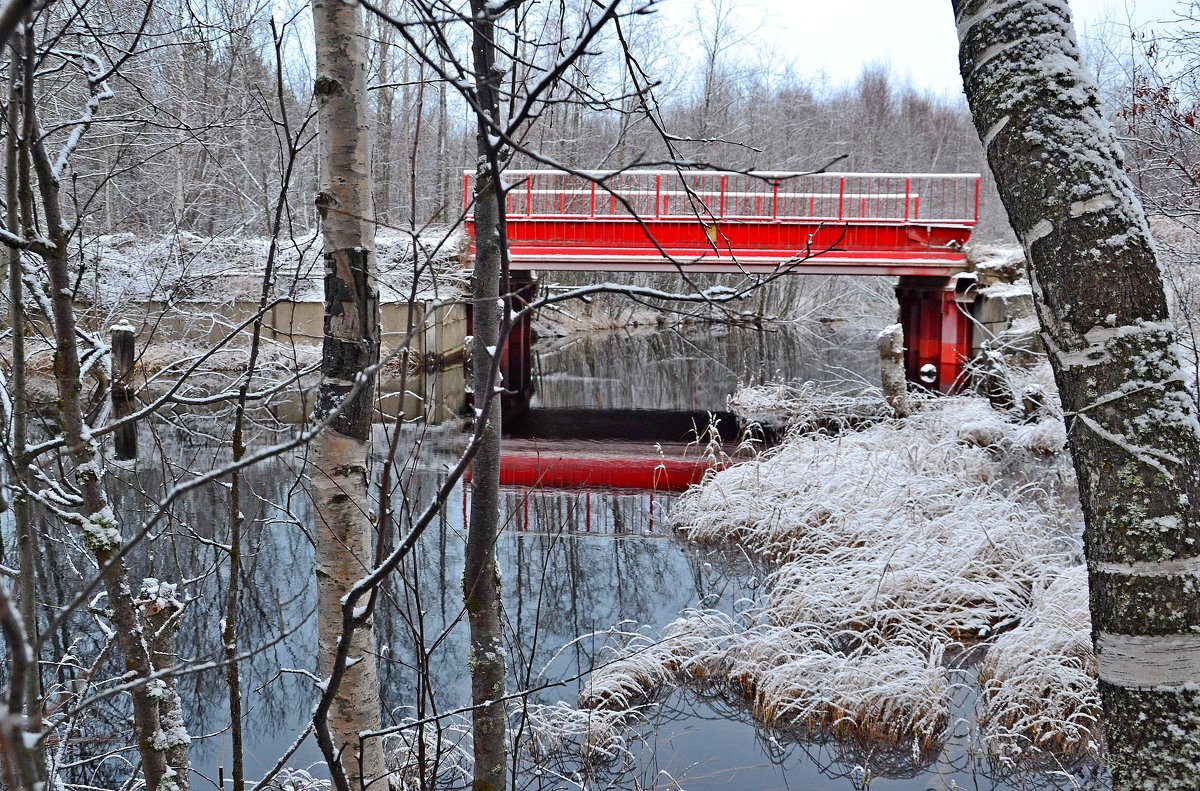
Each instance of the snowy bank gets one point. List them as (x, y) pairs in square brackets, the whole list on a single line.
[(885, 551), (120, 269)]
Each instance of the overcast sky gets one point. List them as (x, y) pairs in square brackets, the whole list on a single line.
[(915, 38)]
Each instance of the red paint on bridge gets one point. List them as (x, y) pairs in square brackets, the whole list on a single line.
[(909, 225), (656, 474), (709, 221), (593, 465)]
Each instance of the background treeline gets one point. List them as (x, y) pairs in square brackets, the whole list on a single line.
[(189, 139)]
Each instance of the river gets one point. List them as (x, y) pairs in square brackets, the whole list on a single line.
[(576, 565)]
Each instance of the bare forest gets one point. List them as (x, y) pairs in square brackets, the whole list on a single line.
[(257, 291)]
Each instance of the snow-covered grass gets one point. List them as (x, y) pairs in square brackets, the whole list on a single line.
[(121, 268), (780, 404), (884, 550), (691, 648), (561, 732), (797, 677), (1038, 680)]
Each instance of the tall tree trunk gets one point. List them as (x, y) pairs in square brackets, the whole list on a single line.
[(338, 466), (443, 174), (481, 581), (160, 611), (22, 506), (100, 530), (1133, 434), (385, 103), (404, 166)]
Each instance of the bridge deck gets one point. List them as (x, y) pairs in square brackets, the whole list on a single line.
[(711, 221)]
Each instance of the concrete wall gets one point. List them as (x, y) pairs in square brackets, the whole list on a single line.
[(433, 386), (1005, 319)]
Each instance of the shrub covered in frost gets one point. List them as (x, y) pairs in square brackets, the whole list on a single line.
[(1038, 680), (440, 751), (560, 734), (297, 780), (886, 546)]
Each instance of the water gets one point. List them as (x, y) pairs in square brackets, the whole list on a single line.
[(575, 565), (696, 368)]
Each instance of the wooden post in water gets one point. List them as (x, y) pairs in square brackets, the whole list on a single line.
[(125, 437), (891, 369)]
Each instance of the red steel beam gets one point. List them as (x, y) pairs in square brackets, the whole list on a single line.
[(884, 239)]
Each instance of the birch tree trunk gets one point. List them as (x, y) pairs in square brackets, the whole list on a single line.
[(1133, 435), (338, 464), (98, 526), (22, 506), (385, 102), (481, 580), (441, 189)]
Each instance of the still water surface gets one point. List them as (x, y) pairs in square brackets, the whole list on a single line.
[(575, 564)]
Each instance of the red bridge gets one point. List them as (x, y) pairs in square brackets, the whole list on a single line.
[(908, 225)]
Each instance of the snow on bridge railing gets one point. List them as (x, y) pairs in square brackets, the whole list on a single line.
[(903, 198)]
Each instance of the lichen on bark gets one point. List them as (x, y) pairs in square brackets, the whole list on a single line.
[(1133, 433)]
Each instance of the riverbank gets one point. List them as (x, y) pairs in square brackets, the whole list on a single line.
[(890, 559)]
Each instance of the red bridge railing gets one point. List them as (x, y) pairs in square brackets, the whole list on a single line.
[(920, 198), (714, 221)]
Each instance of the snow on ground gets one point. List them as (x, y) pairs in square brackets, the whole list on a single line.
[(122, 268), (778, 404), (187, 294), (886, 553), (997, 263)]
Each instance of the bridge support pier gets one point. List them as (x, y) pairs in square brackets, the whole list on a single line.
[(516, 355), (935, 313), (516, 360)]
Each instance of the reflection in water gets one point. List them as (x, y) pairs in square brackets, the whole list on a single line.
[(696, 368), (575, 565)]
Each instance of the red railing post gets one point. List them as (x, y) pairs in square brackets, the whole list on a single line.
[(657, 191), (977, 180), (721, 205), (466, 191), (529, 196), (775, 200), (592, 208), (907, 190), (841, 195)]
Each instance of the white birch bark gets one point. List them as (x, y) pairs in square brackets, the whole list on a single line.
[(338, 465), (1133, 433)]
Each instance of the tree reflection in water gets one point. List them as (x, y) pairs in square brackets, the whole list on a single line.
[(575, 565)]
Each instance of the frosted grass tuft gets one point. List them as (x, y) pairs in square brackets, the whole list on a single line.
[(889, 549)]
